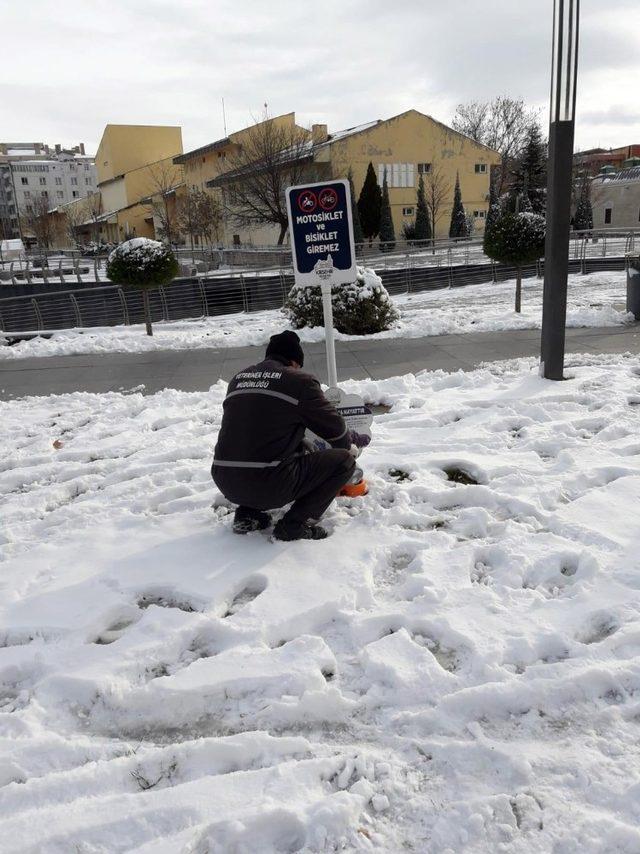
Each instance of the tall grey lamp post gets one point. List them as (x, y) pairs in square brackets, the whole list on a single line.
[(566, 17)]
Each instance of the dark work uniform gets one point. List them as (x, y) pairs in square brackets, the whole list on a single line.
[(259, 460)]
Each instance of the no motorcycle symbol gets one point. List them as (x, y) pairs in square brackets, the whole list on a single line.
[(327, 198), (307, 201)]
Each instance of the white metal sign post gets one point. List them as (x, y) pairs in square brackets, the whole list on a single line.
[(322, 246)]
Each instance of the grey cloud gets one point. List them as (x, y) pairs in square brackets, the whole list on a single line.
[(163, 61)]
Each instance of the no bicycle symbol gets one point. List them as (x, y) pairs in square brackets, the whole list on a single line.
[(327, 199)]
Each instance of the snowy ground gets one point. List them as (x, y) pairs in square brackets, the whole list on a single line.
[(456, 669), (594, 300)]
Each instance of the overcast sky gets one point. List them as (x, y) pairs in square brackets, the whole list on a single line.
[(70, 68)]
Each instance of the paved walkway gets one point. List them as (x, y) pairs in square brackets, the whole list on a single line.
[(196, 370)]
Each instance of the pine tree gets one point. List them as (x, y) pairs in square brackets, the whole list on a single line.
[(358, 237), (387, 232), (493, 215), (583, 218), (369, 204), (423, 226), (530, 173), (458, 227)]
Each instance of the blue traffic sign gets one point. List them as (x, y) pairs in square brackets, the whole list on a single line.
[(321, 231)]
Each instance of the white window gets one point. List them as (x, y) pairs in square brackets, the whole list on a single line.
[(87, 181), (44, 194), (59, 181), (407, 211), (60, 194), (481, 168), (24, 180), (480, 214), (74, 181), (398, 174), (75, 194), (424, 168), (27, 194), (43, 182)]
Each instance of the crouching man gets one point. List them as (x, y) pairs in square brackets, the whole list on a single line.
[(259, 460)]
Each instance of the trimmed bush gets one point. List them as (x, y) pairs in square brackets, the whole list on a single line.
[(518, 239), (144, 264), (361, 308)]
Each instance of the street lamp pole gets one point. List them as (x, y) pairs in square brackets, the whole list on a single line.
[(566, 17)]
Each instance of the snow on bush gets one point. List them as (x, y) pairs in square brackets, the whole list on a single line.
[(516, 238), (142, 263), (360, 308)]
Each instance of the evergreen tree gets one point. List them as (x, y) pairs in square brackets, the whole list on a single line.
[(369, 204), (583, 218), (517, 239), (523, 204), (423, 226), (387, 232), (358, 237), (493, 215), (458, 227), (530, 173)]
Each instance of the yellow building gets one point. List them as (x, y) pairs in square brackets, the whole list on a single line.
[(405, 146), (203, 166), (137, 185)]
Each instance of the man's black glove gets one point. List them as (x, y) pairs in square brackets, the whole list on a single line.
[(360, 440)]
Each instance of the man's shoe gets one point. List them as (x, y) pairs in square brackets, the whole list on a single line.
[(289, 530), (247, 519)]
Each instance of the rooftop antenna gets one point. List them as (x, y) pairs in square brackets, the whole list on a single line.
[(224, 118)]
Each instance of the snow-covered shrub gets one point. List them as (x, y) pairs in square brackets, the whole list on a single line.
[(516, 238), (142, 263), (360, 308)]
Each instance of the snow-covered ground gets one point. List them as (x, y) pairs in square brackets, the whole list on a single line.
[(594, 300), (455, 669)]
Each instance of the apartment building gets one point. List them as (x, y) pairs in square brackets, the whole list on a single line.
[(30, 171)]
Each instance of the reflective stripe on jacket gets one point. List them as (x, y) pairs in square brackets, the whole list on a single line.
[(266, 411)]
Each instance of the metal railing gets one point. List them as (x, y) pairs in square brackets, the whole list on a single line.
[(46, 308)]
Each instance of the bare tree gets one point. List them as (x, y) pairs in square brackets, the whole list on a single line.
[(501, 124), (437, 191), (35, 219), (75, 215), (199, 215), (187, 215), (164, 178), (270, 157), (208, 217)]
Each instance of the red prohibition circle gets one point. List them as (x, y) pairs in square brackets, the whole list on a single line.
[(327, 199), (307, 201)]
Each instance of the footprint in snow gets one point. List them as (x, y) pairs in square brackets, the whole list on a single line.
[(114, 631), (599, 627), (448, 658), (168, 598), (251, 590)]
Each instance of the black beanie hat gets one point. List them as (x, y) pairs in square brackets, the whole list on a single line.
[(287, 345)]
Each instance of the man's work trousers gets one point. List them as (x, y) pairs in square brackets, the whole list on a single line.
[(311, 481)]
